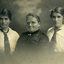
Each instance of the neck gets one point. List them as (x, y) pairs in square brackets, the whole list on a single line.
[(5, 29), (58, 27), (34, 31)]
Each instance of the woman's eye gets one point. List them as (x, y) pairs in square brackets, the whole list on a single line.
[(28, 22), (59, 16), (53, 17), (6, 18), (33, 22)]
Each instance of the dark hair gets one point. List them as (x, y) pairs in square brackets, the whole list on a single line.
[(33, 15), (5, 12), (57, 10)]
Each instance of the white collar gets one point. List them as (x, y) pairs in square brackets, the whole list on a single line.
[(62, 27)]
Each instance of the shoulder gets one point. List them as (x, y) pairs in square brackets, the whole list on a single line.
[(50, 29), (24, 34), (62, 27), (1, 33), (44, 41), (50, 33), (13, 32), (21, 39), (43, 36)]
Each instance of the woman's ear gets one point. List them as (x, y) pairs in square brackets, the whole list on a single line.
[(9, 21)]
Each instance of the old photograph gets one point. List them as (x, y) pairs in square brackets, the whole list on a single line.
[(31, 31)]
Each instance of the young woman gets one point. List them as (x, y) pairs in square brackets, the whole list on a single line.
[(8, 37), (56, 33)]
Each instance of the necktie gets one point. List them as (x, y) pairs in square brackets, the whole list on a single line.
[(6, 43), (53, 41)]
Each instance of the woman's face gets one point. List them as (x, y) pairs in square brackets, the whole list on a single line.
[(4, 22), (32, 24), (57, 19)]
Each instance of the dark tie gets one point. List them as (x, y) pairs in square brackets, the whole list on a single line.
[(6, 43), (53, 41)]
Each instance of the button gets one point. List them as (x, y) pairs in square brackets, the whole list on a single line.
[(29, 34)]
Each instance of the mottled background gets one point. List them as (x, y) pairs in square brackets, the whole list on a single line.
[(20, 8)]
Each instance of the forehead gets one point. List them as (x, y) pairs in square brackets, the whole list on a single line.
[(2, 16), (31, 18), (56, 14)]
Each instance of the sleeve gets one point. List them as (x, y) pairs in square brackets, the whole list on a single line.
[(49, 33), (19, 44), (44, 43)]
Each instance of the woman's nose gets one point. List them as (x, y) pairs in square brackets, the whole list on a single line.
[(56, 19), (3, 20), (30, 24)]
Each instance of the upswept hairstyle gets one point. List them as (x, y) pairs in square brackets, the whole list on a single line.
[(6, 12), (33, 15), (57, 10)]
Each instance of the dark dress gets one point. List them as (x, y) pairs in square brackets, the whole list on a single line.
[(31, 48), (35, 41)]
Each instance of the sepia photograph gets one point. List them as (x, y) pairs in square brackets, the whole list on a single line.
[(31, 31)]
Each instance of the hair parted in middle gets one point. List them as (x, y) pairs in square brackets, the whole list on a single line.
[(33, 15)]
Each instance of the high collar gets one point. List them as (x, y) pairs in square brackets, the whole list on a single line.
[(33, 32), (5, 32)]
